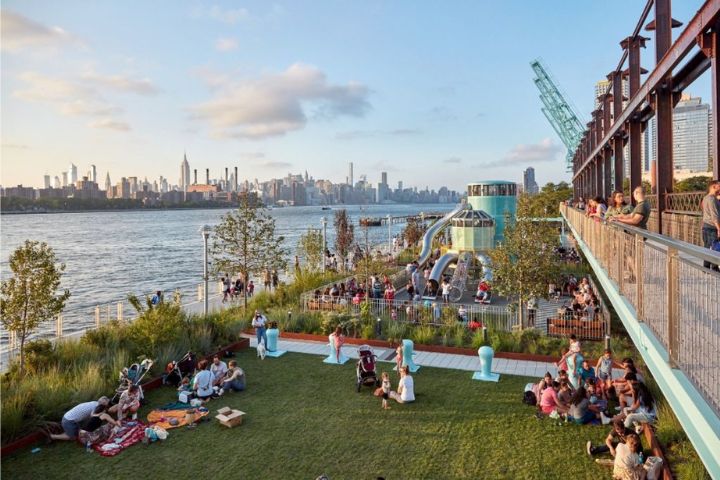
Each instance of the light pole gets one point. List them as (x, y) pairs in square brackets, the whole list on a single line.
[(324, 245), (205, 231), (389, 220)]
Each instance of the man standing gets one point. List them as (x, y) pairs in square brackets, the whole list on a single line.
[(711, 219), (258, 322), (641, 213)]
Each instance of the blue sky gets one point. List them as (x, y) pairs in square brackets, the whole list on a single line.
[(434, 93)]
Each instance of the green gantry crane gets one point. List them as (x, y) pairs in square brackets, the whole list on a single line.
[(564, 120)]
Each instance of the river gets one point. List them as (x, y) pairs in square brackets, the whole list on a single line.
[(111, 254)]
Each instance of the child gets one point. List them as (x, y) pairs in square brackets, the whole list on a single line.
[(604, 372), (185, 385), (385, 390), (399, 358), (393, 314), (572, 351)]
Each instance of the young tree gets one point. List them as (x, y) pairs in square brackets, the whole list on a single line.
[(344, 235), (29, 297), (310, 248), (413, 231), (525, 263), (245, 242)]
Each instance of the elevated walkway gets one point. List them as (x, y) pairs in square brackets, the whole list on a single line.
[(670, 306)]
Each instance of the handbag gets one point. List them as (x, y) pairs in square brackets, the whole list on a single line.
[(715, 245)]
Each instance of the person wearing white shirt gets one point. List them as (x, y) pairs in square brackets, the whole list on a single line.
[(203, 381), (218, 369), (406, 387), (258, 322)]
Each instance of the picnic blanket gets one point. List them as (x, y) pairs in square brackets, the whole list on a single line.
[(129, 434), (162, 417)]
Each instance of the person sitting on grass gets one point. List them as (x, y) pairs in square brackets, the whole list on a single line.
[(234, 379), (549, 400), (218, 369), (642, 409), (579, 411), (406, 387), (128, 404), (628, 463), (565, 394), (76, 417), (586, 371), (617, 435), (203, 382), (597, 402), (545, 382), (99, 427)]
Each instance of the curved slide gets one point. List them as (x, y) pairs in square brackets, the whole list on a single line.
[(487, 268), (432, 231), (436, 273)]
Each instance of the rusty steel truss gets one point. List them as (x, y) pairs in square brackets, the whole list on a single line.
[(598, 163)]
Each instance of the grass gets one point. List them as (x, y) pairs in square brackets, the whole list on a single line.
[(305, 418)]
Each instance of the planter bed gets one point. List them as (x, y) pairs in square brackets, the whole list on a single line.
[(148, 386)]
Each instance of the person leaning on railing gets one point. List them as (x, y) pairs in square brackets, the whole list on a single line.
[(711, 219), (617, 206), (641, 213)]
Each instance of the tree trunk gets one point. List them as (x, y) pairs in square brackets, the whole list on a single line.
[(22, 355), (521, 317)]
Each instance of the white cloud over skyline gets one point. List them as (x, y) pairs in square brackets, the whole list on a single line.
[(226, 44), (276, 104), (20, 33)]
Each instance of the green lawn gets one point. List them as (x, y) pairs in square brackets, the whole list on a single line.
[(305, 418)]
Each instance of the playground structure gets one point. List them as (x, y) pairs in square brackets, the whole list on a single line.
[(468, 232)]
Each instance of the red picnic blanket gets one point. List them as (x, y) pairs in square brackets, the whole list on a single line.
[(128, 435)]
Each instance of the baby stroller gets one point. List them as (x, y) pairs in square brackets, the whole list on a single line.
[(175, 371), (365, 369), (132, 375)]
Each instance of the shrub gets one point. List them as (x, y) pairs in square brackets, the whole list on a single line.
[(13, 415), (459, 334), (423, 334), (477, 339), (396, 331)]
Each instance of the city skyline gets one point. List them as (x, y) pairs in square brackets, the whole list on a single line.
[(258, 86)]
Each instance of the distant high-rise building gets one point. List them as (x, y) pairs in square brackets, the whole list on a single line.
[(46, 181), (64, 179), (184, 174), (383, 175), (691, 136), (93, 174), (56, 182), (530, 186), (72, 174), (351, 174), (108, 184), (400, 185)]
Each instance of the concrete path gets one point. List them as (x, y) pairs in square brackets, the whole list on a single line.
[(430, 359)]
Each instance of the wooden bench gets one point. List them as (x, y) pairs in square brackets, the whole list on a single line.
[(592, 329)]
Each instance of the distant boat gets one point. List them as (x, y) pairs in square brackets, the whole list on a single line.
[(370, 222), (326, 208)]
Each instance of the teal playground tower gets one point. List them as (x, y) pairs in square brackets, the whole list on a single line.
[(498, 198)]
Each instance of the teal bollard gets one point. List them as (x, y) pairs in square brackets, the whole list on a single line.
[(408, 352), (486, 357), (272, 341), (332, 358)]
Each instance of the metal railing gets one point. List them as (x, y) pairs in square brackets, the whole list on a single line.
[(671, 290)]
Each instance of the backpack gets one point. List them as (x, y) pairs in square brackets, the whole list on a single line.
[(529, 398)]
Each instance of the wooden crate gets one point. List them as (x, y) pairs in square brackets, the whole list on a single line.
[(229, 417)]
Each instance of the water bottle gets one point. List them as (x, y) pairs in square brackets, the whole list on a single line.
[(88, 447), (642, 458)]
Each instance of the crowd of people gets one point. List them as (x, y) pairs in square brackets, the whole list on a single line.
[(584, 303), (616, 209)]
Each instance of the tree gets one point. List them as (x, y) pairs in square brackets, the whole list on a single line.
[(245, 242), (30, 297), (693, 184), (545, 203), (413, 231), (525, 263), (344, 235), (310, 248)]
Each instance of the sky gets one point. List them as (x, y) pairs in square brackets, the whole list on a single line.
[(432, 92)]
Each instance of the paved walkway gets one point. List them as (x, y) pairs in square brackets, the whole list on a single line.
[(430, 359)]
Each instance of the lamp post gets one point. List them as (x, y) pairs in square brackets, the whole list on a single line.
[(389, 220), (205, 231), (324, 244)]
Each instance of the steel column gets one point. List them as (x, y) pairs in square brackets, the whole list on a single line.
[(634, 72), (607, 153), (618, 143), (710, 44), (664, 109)]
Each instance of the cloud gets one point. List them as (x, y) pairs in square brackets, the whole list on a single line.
[(452, 160), (360, 134), (543, 152), (230, 16), (20, 32), (276, 104), (110, 124), (276, 164), (121, 83), (15, 146), (226, 44), (252, 155)]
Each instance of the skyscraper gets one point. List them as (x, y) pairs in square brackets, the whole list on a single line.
[(108, 185), (93, 174), (529, 184), (72, 174), (46, 181), (351, 175), (64, 179), (184, 174), (56, 182), (691, 136), (383, 175)]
